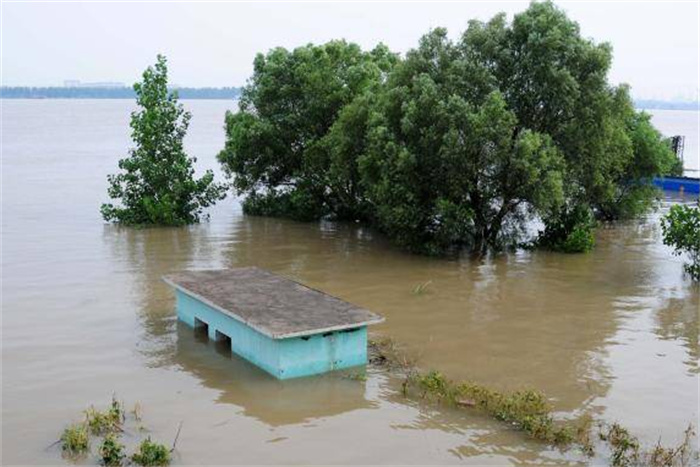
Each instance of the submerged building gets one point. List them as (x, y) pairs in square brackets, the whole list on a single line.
[(284, 327)]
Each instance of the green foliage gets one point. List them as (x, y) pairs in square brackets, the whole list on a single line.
[(156, 185), (570, 230), (150, 453), (625, 447), (681, 230), (457, 145), (109, 421), (446, 164), (111, 451), (527, 409), (276, 145), (75, 440)]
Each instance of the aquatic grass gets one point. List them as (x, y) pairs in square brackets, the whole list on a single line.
[(136, 412), (626, 450), (624, 446), (526, 409), (150, 453), (680, 455), (75, 440), (111, 451), (529, 411), (421, 288)]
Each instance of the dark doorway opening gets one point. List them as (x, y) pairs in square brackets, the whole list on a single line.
[(222, 340), (201, 329)]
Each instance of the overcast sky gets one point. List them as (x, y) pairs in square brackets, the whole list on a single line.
[(656, 44)]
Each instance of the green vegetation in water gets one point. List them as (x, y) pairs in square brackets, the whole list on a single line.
[(626, 450), (75, 440), (150, 453), (111, 451), (681, 230), (529, 411), (156, 185), (457, 144), (421, 288), (571, 231), (106, 422)]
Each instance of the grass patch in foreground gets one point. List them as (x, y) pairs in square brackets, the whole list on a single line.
[(151, 454), (109, 425), (111, 451), (75, 440)]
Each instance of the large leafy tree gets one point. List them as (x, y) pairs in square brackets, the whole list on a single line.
[(447, 163), (555, 81), (458, 144), (275, 143), (157, 185)]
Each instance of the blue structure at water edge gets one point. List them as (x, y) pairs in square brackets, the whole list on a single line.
[(684, 184), (287, 329)]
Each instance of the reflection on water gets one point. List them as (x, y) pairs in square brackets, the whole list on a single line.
[(85, 313), (262, 397)]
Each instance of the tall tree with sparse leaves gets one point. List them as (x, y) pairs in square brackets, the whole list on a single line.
[(156, 185)]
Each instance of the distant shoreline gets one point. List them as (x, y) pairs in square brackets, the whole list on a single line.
[(650, 104), (86, 92)]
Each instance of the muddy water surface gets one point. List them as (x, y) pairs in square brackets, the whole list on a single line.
[(85, 315)]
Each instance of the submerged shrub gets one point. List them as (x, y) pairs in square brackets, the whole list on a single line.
[(75, 440), (681, 230), (111, 451), (571, 230), (150, 453)]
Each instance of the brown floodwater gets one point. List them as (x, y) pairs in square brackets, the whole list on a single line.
[(84, 315)]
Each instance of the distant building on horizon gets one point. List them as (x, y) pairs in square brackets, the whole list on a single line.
[(74, 83)]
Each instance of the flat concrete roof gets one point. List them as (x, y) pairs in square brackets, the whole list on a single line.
[(272, 305)]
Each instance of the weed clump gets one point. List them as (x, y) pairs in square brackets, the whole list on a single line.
[(624, 446), (529, 411), (109, 421), (108, 424), (679, 455), (75, 440), (626, 449), (526, 409), (150, 454), (111, 451)]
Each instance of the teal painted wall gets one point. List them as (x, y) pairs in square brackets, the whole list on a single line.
[(283, 358)]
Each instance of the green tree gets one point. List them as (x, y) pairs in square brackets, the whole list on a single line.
[(459, 144), (275, 146), (156, 185), (447, 163), (555, 81), (681, 230)]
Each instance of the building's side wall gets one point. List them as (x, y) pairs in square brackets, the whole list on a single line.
[(245, 341), (320, 353), (283, 358)]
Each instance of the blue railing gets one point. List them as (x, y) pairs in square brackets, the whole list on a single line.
[(685, 184)]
